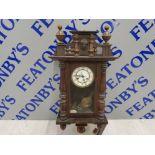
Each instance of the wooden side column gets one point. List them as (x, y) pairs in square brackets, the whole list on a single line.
[(63, 93), (102, 90), (76, 43), (91, 45), (106, 49), (60, 50)]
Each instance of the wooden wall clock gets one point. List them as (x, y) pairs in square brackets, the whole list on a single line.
[(83, 64)]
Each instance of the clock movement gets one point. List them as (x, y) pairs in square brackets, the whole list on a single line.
[(83, 64)]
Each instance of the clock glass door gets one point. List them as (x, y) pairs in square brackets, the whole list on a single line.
[(82, 90)]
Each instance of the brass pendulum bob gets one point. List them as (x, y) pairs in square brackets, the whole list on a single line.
[(86, 102), (60, 34)]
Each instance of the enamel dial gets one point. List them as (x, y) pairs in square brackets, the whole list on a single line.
[(82, 77)]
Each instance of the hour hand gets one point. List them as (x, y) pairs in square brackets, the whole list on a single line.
[(78, 76)]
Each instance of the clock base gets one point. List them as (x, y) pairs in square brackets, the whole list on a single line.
[(81, 128), (81, 123), (100, 128)]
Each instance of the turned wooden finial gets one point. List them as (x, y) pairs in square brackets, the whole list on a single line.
[(60, 34), (106, 35)]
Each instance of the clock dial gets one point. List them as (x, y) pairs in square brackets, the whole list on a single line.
[(82, 77)]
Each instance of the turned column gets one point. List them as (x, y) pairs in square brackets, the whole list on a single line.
[(76, 44), (63, 94), (91, 45), (102, 91)]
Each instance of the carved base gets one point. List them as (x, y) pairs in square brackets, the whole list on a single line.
[(63, 126), (81, 129), (100, 128), (81, 123)]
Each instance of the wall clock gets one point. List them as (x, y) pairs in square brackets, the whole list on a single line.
[(83, 64)]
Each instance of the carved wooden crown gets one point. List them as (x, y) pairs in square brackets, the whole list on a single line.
[(83, 44)]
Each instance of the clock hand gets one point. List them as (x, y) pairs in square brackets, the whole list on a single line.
[(82, 75), (78, 76), (84, 80)]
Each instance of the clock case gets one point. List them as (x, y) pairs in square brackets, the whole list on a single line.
[(83, 51)]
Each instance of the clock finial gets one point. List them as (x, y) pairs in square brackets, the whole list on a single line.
[(106, 35), (60, 34), (60, 27)]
